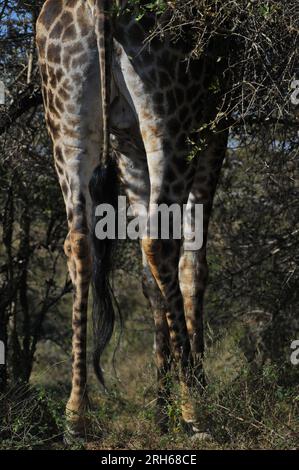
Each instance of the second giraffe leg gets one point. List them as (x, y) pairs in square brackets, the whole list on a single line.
[(193, 279), (162, 345), (77, 248), (193, 266)]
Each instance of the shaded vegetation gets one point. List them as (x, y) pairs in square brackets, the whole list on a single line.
[(241, 410), (251, 311)]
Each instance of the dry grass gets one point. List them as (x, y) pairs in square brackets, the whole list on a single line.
[(241, 409)]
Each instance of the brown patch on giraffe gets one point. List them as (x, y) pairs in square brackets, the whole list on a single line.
[(50, 70), (52, 10), (53, 53), (65, 83), (70, 51), (66, 18), (56, 31), (69, 33), (66, 61), (59, 74), (71, 3), (63, 94), (84, 25), (41, 44), (71, 108)]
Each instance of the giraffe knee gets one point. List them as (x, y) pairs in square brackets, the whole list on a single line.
[(67, 247), (80, 244), (158, 250), (152, 250), (77, 246), (193, 273)]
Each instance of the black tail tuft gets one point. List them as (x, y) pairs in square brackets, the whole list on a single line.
[(103, 190)]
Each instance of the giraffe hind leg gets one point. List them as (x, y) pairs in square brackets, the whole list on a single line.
[(134, 176), (162, 347), (193, 268), (70, 78), (77, 248)]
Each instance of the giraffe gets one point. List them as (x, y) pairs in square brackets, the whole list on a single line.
[(105, 86)]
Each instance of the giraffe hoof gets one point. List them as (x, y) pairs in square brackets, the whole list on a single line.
[(76, 429), (192, 429), (202, 437), (78, 422), (72, 438)]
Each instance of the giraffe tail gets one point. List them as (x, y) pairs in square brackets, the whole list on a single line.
[(103, 190)]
